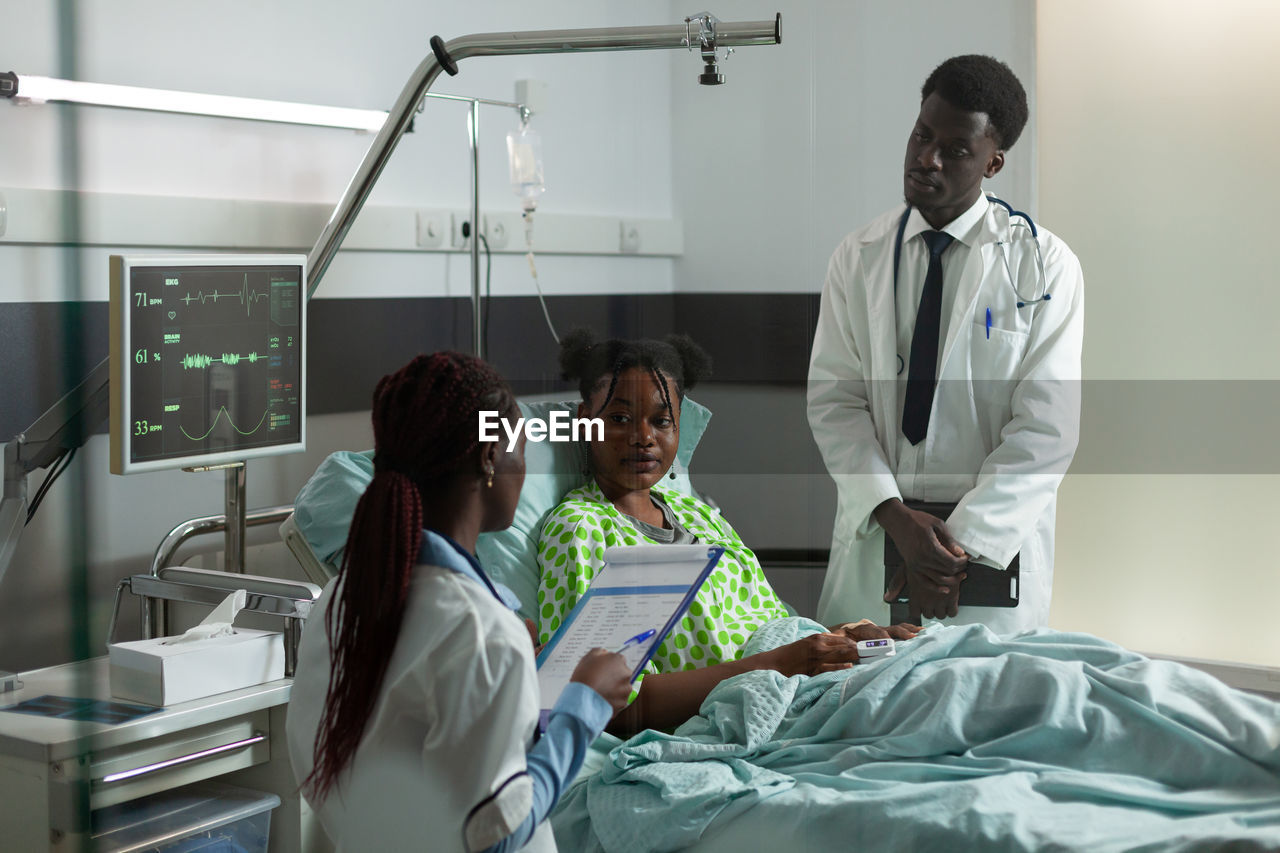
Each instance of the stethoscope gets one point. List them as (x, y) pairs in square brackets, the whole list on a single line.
[(1028, 227)]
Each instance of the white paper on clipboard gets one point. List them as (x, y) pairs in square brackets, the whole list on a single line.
[(641, 587)]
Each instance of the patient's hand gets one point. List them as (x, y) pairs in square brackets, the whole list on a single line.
[(866, 630), (811, 655), (533, 634)]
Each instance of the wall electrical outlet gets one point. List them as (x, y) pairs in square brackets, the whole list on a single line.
[(495, 231), (629, 237), (432, 228), (500, 229)]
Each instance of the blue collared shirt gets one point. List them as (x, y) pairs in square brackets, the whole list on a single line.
[(440, 550), (579, 715)]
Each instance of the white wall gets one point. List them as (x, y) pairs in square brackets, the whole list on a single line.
[(1156, 127), (805, 141), (602, 109), (323, 51)]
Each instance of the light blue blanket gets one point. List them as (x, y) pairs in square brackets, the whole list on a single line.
[(963, 740)]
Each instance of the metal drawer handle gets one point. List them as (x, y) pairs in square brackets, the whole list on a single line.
[(258, 737)]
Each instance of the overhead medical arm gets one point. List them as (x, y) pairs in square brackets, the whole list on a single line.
[(70, 421), (64, 427)]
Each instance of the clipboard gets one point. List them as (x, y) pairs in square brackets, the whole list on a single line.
[(640, 588), (985, 586)]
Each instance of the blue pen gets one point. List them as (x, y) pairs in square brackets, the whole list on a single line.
[(988, 323), (635, 641)]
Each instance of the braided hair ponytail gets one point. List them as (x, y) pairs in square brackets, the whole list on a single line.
[(425, 431)]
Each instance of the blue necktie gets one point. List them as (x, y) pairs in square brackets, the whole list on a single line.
[(922, 376)]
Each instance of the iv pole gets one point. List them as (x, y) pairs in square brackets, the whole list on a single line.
[(473, 140)]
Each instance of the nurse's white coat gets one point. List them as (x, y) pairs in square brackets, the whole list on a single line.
[(453, 722)]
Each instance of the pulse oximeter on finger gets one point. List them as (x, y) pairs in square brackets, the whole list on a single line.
[(871, 649)]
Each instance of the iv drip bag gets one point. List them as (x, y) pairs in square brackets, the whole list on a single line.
[(524, 151)]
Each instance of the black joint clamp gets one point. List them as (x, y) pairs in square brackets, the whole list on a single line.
[(442, 56)]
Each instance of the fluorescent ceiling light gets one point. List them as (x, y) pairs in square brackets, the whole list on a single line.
[(32, 89)]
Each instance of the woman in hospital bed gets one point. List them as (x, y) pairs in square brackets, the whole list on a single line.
[(962, 741), (636, 388)]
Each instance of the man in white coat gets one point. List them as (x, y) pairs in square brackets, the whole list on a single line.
[(946, 368)]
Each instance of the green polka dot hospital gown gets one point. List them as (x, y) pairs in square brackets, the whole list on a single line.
[(730, 606)]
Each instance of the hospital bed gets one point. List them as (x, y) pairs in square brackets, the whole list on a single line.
[(963, 740)]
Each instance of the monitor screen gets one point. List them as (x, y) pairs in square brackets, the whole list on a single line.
[(207, 359)]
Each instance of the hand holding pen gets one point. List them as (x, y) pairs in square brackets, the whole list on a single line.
[(608, 674)]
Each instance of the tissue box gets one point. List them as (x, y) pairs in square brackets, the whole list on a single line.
[(159, 672)]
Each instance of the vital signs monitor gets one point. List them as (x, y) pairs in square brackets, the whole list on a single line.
[(207, 359)]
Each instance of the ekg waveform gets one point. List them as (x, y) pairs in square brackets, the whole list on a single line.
[(200, 361), (248, 297), (222, 410)]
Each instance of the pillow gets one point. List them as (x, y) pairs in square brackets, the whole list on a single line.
[(327, 501), (324, 507)]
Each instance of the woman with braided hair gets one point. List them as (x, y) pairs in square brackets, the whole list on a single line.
[(636, 388), (415, 703)]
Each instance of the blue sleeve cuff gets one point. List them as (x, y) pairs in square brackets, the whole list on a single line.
[(581, 702), (578, 718)]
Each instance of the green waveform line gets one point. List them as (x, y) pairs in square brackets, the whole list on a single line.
[(222, 410), (248, 298), (200, 361)]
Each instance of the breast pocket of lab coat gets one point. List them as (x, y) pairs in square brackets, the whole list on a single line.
[(995, 355)]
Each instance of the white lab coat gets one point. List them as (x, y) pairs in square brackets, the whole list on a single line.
[(452, 725), (1004, 424)]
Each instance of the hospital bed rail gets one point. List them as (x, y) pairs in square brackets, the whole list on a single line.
[(153, 619), (154, 622), (289, 599)]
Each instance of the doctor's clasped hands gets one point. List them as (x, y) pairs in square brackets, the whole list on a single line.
[(935, 562)]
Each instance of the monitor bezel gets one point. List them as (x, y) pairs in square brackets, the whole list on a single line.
[(120, 345)]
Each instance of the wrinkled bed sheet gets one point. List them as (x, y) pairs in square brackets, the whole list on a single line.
[(963, 740)]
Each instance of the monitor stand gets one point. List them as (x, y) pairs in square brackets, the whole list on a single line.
[(234, 513)]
